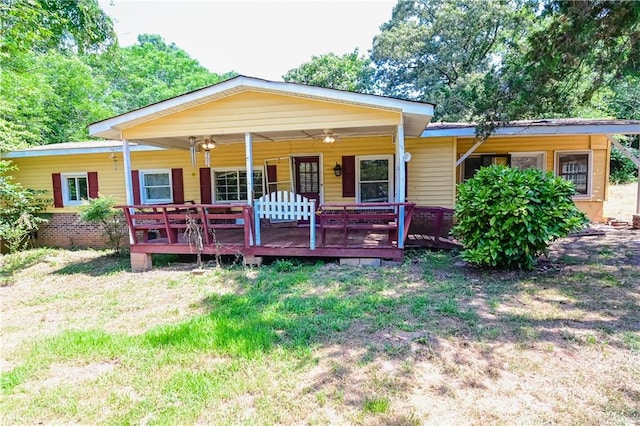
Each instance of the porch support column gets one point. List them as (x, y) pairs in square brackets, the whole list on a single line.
[(400, 181), (128, 184), (627, 153), (248, 148)]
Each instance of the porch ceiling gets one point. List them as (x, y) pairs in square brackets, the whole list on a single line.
[(182, 143)]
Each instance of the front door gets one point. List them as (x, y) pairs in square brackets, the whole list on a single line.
[(307, 177)]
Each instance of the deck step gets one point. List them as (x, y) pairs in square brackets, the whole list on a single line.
[(360, 261)]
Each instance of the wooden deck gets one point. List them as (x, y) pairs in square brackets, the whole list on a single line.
[(355, 231), (280, 241)]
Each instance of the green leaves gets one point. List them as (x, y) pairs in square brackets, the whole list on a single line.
[(507, 217), (20, 209), (349, 72), (102, 211)]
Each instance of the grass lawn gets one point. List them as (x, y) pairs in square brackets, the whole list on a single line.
[(425, 342)]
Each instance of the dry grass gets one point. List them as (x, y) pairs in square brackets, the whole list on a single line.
[(425, 342)]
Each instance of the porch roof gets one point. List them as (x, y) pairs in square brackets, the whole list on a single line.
[(170, 122), (560, 126), (71, 148)]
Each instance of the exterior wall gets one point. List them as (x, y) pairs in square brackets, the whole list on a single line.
[(68, 230), (598, 145), (260, 112), (35, 173), (431, 172)]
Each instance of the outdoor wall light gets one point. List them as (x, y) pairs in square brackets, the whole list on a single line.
[(337, 170)]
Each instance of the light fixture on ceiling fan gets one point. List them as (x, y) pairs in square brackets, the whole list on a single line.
[(206, 144), (328, 137)]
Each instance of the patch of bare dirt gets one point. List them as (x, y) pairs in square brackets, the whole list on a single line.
[(621, 203), (74, 374), (612, 246)]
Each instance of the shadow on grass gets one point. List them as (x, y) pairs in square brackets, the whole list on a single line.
[(103, 265), (427, 308), (10, 263)]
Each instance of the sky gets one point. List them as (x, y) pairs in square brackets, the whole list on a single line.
[(258, 38)]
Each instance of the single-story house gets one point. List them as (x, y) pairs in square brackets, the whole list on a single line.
[(261, 167)]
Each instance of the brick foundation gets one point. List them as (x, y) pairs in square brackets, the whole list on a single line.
[(68, 230)]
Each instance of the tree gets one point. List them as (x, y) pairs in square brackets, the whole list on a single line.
[(439, 50), (78, 26), (582, 46), (350, 72), (497, 61), (46, 93), (20, 209), (150, 71)]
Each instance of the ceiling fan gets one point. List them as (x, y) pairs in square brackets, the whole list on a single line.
[(327, 136), (205, 144)]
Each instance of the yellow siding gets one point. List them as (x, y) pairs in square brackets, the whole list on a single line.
[(431, 171), (35, 172), (597, 144), (260, 112)]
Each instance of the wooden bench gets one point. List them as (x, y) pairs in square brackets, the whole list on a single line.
[(170, 220), (367, 217)]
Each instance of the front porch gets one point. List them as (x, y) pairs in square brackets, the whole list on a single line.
[(336, 162), (375, 230)]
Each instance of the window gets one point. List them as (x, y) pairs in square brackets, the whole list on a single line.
[(374, 179), (528, 160), (231, 185), (155, 186), (575, 167), (473, 163), (75, 188)]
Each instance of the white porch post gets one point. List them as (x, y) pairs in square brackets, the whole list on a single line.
[(400, 174), (400, 182), (248, 147), (128, 184)]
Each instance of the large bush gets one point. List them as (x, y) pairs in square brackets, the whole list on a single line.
[(507, 217)]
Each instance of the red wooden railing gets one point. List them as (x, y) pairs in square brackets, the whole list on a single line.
[(170, 220), (366, 216)]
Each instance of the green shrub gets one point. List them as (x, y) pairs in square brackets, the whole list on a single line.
[(101, 210), (21, 210), (622, 168), (507, 217)]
